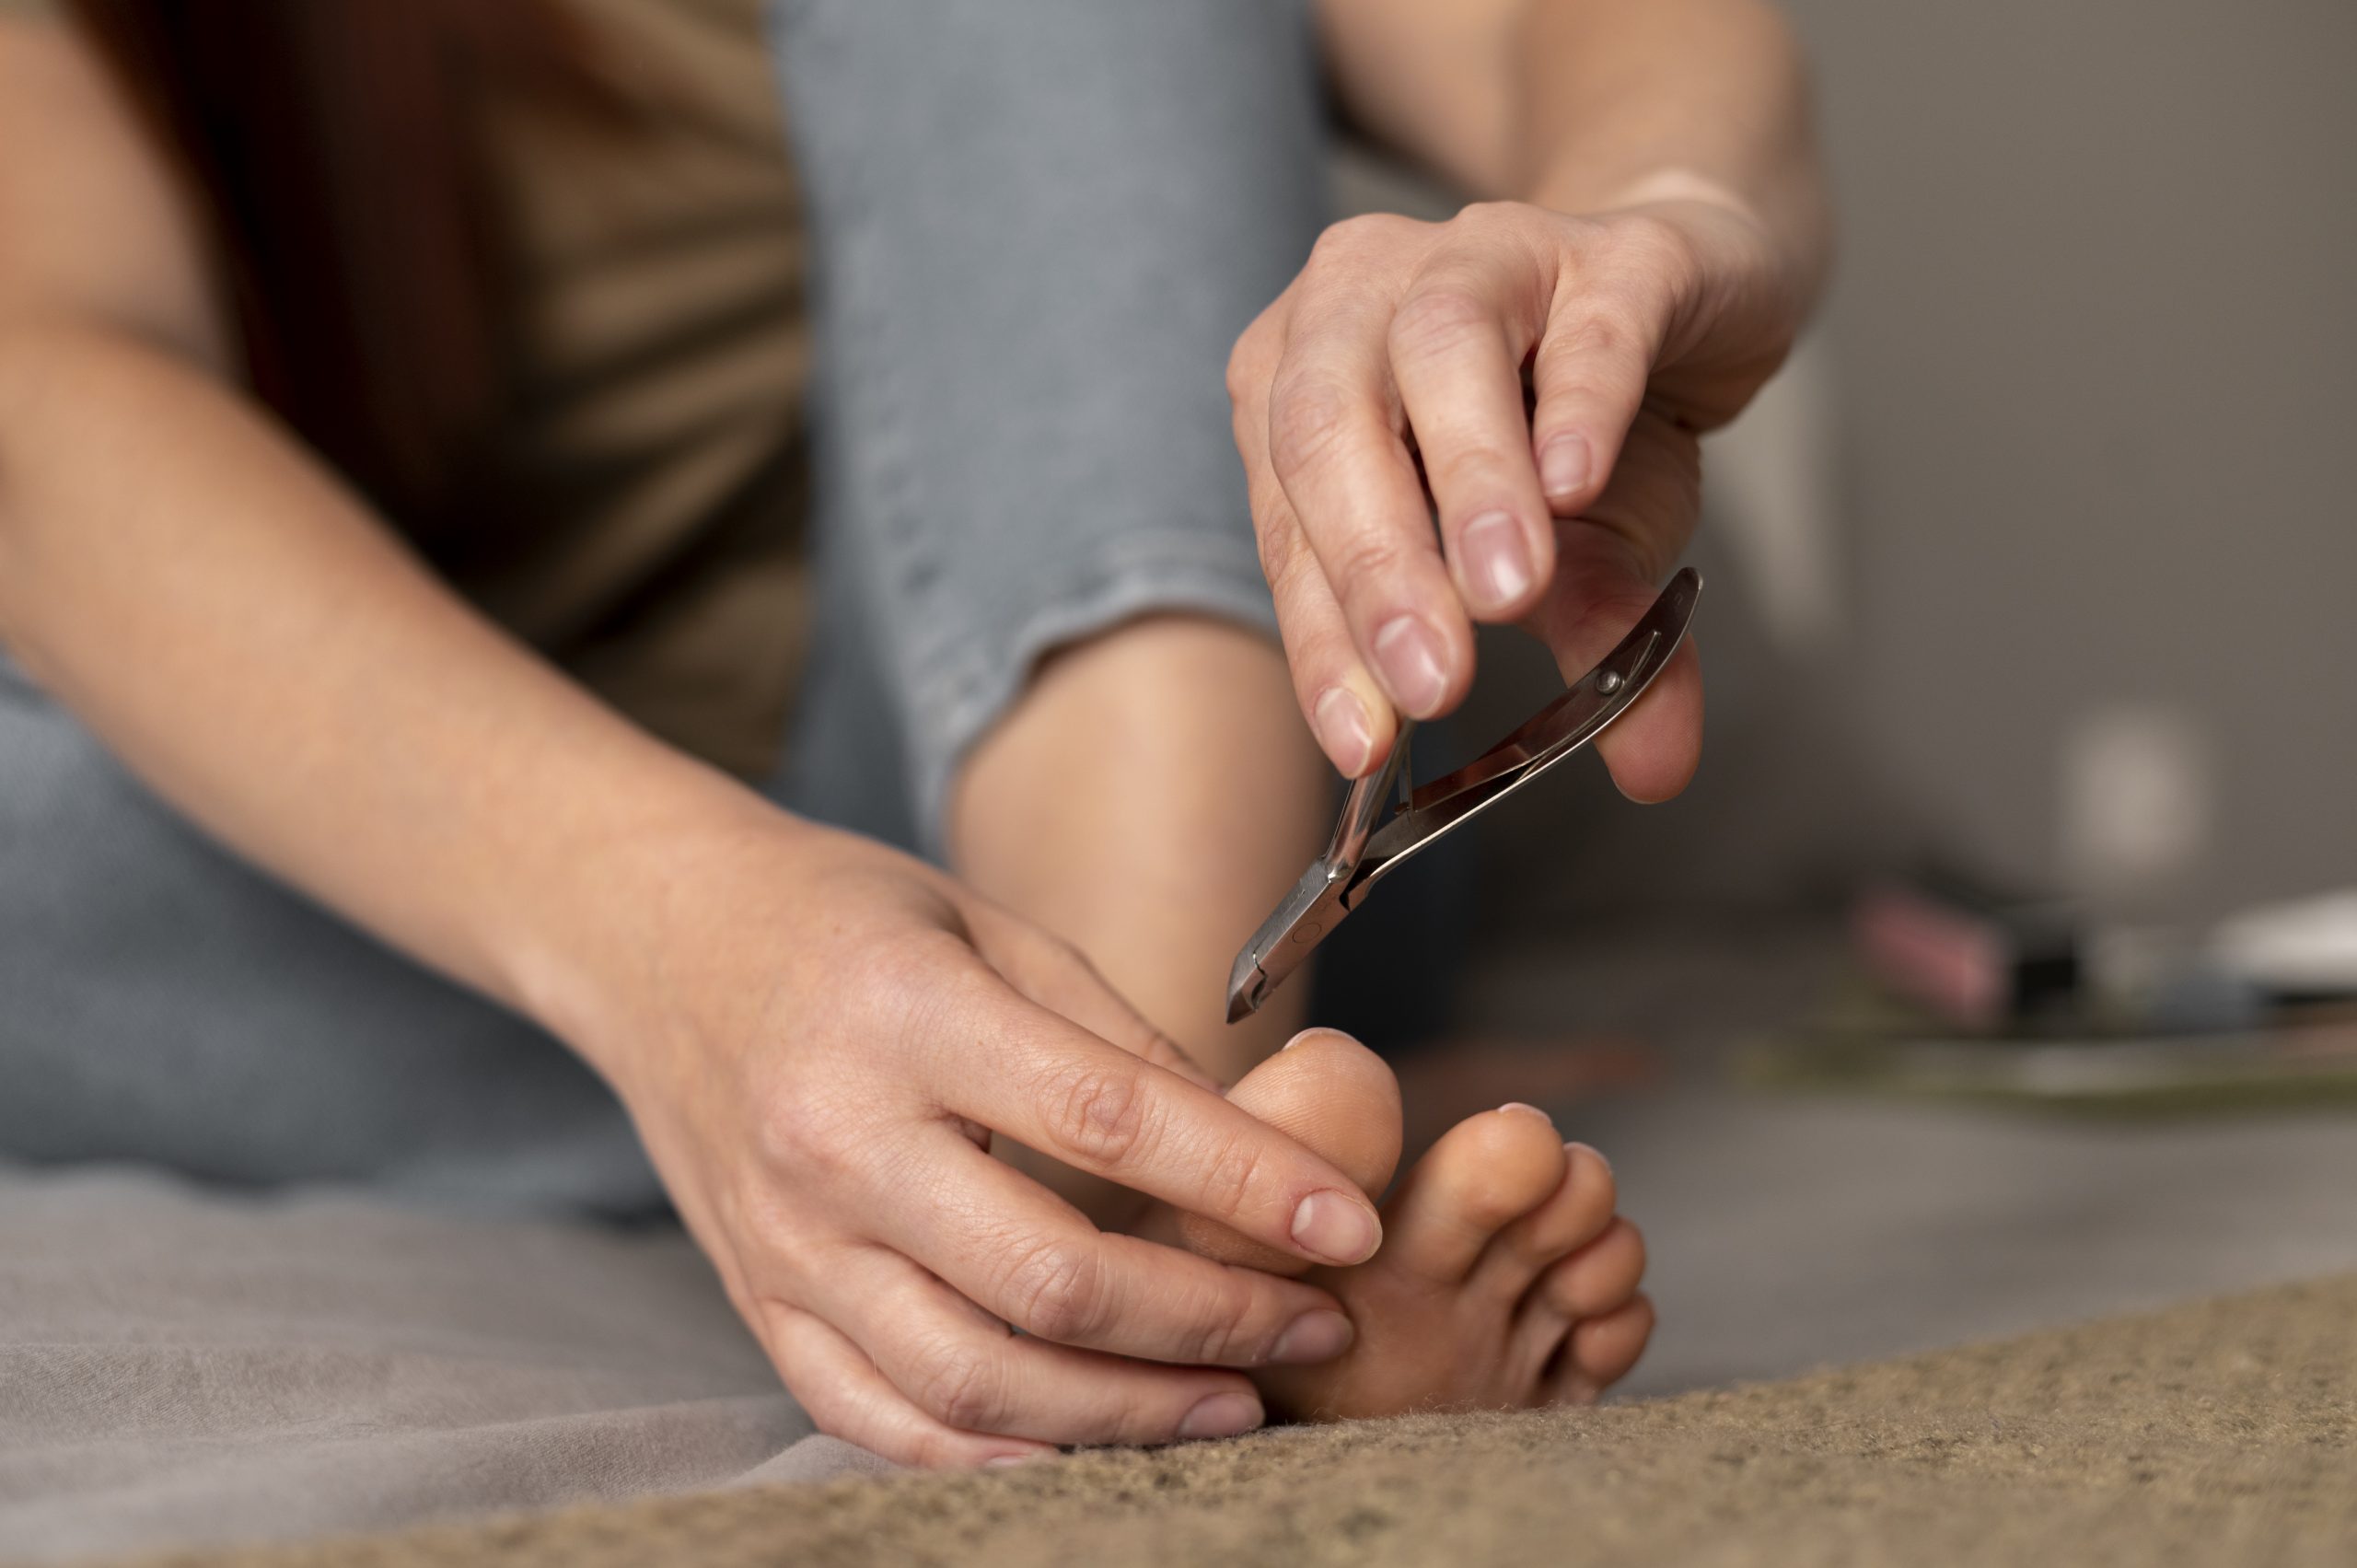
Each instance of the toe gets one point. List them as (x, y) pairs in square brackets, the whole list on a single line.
[(1330, 1094), (1576, 1213), (1599, 1278), (1485, 1174), (1602, 1350)]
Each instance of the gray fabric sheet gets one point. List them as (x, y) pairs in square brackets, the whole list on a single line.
[(179, 1367)]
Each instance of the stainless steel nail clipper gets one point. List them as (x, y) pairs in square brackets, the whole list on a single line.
[(1376, 833)]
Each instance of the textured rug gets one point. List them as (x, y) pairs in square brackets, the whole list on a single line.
[(2223, 1432)]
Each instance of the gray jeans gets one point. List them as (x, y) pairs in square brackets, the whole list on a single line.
[(1037, 225)]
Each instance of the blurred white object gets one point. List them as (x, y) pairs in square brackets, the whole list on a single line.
[(2136, 793), (1770, 478), (2305, 948)]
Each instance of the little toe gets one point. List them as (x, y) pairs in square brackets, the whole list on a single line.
[(1601, 1351), (1486, 1172), (1600, 1277), (1576, 1213)]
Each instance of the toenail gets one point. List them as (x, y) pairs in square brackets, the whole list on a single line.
[(1222, 1415), (1314, 1336), (1005, 1462), (1517, 1105), (1591, 1149), (1337, 1228)]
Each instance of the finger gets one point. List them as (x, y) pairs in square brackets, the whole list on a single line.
[(1336, 447), (1054, 1087), (1060, 977), (1007, 1245), (848, 1398), (1595, 359), (1349, 712), (1608, 563), (963, 1368), (1457, 346)]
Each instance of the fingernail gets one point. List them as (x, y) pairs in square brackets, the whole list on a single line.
[(1008, 1461), (1221, 1415), (1314, 1336), (1591, 1148), (1528, 1110), (1496, 559), (1562, 466), (1343, 732), (1339, 1229), (1408, 652)]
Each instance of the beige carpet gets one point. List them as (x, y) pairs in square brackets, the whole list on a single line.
[(2223, 1432)]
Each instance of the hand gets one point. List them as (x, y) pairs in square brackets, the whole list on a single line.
[(818, 1041), (1402, 347)]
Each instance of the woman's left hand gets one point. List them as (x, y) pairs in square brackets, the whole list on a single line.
[(1403, 345)]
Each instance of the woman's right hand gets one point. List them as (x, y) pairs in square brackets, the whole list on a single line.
[(818, 1044)]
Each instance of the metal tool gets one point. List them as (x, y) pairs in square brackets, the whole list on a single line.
[(1376, 834)]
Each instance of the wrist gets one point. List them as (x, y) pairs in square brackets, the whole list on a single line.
[(604, 937), (1785, 239), (1578, 192)]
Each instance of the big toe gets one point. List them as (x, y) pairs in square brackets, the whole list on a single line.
[(1486, 1173), (1332, 1096)]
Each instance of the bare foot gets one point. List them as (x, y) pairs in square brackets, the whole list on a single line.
[(1505, 1279)]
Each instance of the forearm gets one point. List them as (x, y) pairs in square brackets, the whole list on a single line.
[(1624, 100), (1584, 105), (244, 636)]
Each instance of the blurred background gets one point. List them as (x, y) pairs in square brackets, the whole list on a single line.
[(2034, 565), (2049, 527)]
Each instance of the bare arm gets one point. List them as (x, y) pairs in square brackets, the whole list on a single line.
[(1582, 105), (179, 573), (808, 1029), (1655, 235)]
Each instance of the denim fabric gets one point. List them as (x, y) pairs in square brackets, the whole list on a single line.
[(1037, 229), (1038, 224)]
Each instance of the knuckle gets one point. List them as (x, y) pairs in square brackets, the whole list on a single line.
[(1367, 560), (1438, 317), (1279, 554), (960, 1387), (796, 1132), (1656, 246), (1233, 1177), (1591, 337), (1306, 418), (1478, 213), (1290, 568), (1241, 382), (1353, 237), (1098, 1113), (1224, 1334), (1055, 1290), (1248, 361), (1469, 463)]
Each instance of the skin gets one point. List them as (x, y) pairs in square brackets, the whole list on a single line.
[(1659, 232), (818, 1037), (809, 1029), (1507, 1281)]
